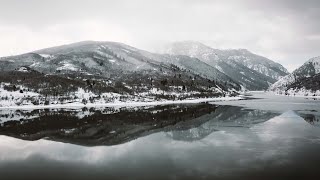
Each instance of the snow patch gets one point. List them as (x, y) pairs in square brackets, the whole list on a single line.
[(67, 66), (47, 56), (23, 69)]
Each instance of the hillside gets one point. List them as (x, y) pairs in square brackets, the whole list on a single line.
[(252, 71), (303, 81), (90, 72)]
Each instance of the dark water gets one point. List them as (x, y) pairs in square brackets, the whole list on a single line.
[(200, 141)]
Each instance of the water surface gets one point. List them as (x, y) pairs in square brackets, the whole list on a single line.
[(250, 139)]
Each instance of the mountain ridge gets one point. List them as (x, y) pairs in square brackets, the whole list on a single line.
[(253, 71), (104, 72), (303, 80), (232, 68)]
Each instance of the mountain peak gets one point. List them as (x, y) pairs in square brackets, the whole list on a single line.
[(314, 59), (84, 46), (186, 46)]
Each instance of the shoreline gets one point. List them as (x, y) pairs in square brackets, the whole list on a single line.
[(124, 104), (298, 96)]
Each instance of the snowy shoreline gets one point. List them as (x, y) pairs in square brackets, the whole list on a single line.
[(124, 104), (300, 93), (298, 96)]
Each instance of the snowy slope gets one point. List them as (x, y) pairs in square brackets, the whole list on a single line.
[(84, 58), (304, 78), (258, 63), (282, 83), (252, 71), (57, 73), (196, 66)]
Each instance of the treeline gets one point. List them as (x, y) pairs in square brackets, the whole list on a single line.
[(310, 83), (129, 83)]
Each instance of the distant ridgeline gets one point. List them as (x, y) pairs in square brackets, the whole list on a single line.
[(303, 81), (102, 72)]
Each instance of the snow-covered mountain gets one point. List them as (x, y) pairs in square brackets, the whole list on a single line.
[(196, 66), (304, 79), (105, 58), (89, 57), (101, 68), (250, 70)]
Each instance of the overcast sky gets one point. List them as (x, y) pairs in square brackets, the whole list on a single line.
[(286, 31)]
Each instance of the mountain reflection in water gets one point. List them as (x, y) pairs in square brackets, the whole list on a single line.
[(212, 143), (111, 126)]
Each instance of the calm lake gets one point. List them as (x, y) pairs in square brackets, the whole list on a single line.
[(263, 137)]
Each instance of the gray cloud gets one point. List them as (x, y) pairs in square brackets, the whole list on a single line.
[(287, 31)]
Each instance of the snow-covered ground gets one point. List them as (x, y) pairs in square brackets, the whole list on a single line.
[(48, 56), (67, 66), (299, 93), (14, 98), (124, 104), (21, 99)]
